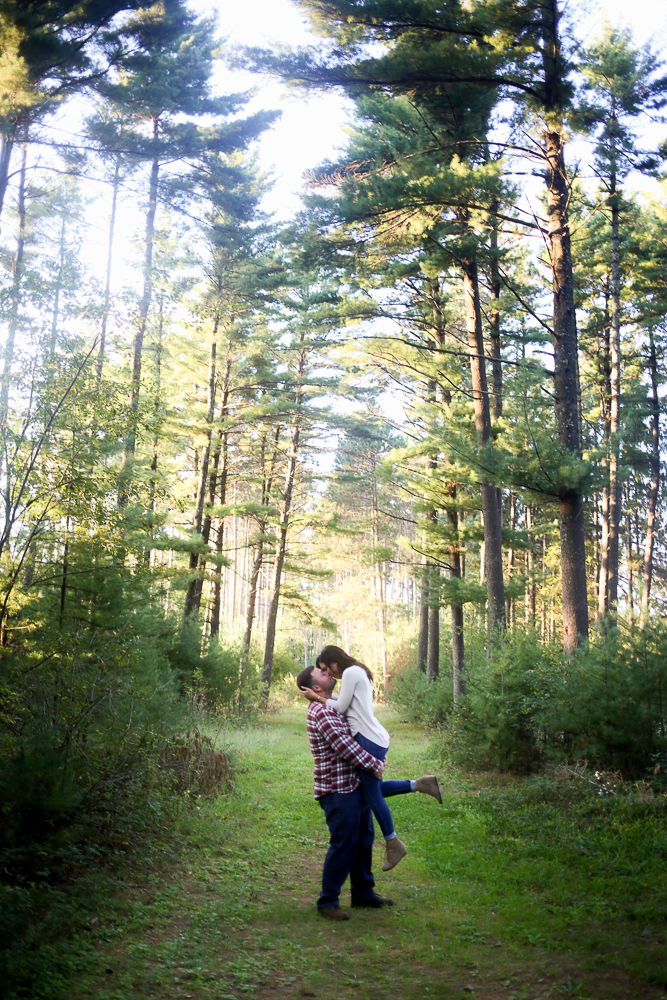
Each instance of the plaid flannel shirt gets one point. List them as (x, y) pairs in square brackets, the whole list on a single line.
[(336, 754)]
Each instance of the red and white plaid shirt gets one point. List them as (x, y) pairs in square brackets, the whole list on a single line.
[(336, 754)]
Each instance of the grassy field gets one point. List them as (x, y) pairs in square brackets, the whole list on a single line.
[(510, 890)]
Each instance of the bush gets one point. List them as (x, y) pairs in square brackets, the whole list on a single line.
[(419, 699), (610, 703), (529, 704), (195, 767), (501, 721)]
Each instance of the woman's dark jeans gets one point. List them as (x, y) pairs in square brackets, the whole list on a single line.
[(376, 791)]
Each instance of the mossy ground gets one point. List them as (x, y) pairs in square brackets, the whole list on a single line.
[(508, 891)]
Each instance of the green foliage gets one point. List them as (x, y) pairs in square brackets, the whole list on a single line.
[(418, 698), (498, 723), (86, 712), (610, 704), (528, 705)]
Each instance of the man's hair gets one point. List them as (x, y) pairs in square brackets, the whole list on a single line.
[(305, 678)]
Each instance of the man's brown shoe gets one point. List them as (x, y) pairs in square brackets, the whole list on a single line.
[(396, 850), (333, 913), (429, 785), (375, 902)]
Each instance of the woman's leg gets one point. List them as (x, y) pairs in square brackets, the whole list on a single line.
[(389, 788), (372, 788)]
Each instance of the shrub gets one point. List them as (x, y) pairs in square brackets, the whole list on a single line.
[(418, 698), (500, 722), (610, 703), (529, 704), (195, 766)]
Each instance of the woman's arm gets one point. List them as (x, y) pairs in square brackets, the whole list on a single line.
[(348, 686)]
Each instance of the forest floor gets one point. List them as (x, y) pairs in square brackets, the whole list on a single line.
[(508, 891)]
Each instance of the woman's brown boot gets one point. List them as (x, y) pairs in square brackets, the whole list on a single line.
[(396, 850), (429, 785)]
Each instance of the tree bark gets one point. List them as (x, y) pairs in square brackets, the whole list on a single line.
[(281, 544), (433, 662), (493, 559), (647, 575), (6, 148), (267, 486), (494, 316), (15, 295), (139, 333), (222, 492), (458, 647), (530, 559), (605, 410), (614, 443), (152, 485), (566, 389), (422, 635), (107, 284), (191, 603), (510, 556), (55, 315), (380, 597), (630, 555)]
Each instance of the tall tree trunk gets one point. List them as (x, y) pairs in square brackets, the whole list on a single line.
[(281, 543), (647, 576), (380, 601), (422, 634), (63, 581), (510, 556), (15, 295), (605, 409), (614, 442), (630, 555), (530, 557), (433, 663), (107, 284), (152, 485), (193, 591), (208, 520), (494, 330), (222, 492), (493, 558), (267, 486), (6, 148), (139, 333), (458, 647), (494, 316), (566, 389), (55, 315)]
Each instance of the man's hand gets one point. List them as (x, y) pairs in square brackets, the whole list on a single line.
[(312, 696), (381, 770)]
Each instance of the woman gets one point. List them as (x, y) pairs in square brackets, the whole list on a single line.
[(355, 702)]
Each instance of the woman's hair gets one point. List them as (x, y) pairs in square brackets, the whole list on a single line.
[(334, 654)]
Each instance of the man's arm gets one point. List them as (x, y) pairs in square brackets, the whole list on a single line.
[(333, 729)]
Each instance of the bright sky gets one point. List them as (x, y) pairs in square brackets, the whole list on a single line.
[(312, 126)]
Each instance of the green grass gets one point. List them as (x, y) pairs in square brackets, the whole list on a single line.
[(510, 889)]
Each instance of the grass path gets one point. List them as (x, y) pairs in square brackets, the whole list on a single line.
[(499, 898)]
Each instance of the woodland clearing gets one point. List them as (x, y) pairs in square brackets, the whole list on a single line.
[(514, 888)]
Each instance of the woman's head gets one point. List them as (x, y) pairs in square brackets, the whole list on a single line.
[(335, 660)]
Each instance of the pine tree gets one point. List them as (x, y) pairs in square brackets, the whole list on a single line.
[(431, 48), (620, 86), (163, 77)]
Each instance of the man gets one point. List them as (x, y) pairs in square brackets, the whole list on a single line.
[(338, 791)]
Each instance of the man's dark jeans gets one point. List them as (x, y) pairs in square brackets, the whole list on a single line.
[(350, 823)]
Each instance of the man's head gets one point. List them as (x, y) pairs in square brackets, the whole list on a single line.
[(317, 680)]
